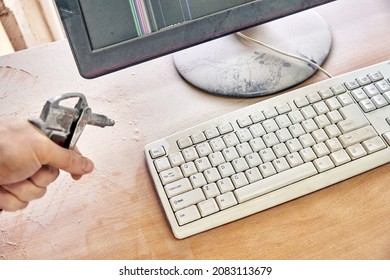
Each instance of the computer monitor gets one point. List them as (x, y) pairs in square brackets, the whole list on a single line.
[(109, 35)]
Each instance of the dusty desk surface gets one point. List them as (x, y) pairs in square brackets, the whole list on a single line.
[(114, 213)]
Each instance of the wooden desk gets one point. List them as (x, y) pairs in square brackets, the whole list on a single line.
[(114, 213)]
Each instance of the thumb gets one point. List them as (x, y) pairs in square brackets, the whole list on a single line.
[(68, 160)]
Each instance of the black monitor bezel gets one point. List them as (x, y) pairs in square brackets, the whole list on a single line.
[(94, 63)]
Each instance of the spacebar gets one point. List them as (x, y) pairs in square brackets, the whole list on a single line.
[(275, 182)]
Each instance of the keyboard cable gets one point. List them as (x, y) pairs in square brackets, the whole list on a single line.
[(318, 67)]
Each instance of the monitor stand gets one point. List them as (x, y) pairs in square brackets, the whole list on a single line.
[(232, 66)]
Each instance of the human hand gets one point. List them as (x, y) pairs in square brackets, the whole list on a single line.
[(30, 161)]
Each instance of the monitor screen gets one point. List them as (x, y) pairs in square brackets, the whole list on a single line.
[(109, 35)]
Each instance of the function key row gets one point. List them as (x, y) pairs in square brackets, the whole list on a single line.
[(203, 136), (364, 80)]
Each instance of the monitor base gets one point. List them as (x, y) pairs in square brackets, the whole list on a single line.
[(232, 66)]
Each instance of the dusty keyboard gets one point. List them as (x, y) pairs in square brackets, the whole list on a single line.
[(273, 151)]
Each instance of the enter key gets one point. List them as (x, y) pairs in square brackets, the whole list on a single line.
[(354, 118)]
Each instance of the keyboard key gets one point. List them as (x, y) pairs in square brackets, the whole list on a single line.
[(211, 133), (281, 149), (243, 149), (186, 199), (257, 130), (240, 164), (225, 128), (379, 101), (216, 159), (281, 164), (375, 76), (373, 145), (198, 137), (239, 180), (321, 149), (309, 125), (187, 215), (357, 136), (338, 89), (296, 117), (345, 99), (225, 185), (359, 94), (270, 126), (307, 154), (190, 154), (352, 85), (333, 145), (202, 164), (383, 86), (226, 169), (283, 108), (333, 103), (313, 97), (340, 157), (188, 169), (243, 122), (275, 182), (356, 151), (308, 112), (244, 135), (371, 90), (198, 180), (253, 159), (301, 102), (334, 116), (162, 164), (386, 136), (226, 200), (294, 159), (267, 169), (207, 207), (258, 117), (270, 139), (367, 105), (270, 113), (217, 144), (184, 142), (176, 159), (326, 93), (283, 121), (212, 175), (364, 80), (211, 190), (253, 175), (353, 118), (230, 154), (323, 164), (257, 144), (170, 175), (178, 187), (157, 152), (231, 139)]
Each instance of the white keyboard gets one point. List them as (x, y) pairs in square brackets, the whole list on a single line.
[(273, 151)]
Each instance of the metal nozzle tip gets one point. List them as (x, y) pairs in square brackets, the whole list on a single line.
[(110, 122)]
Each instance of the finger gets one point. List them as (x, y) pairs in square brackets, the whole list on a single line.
[(44, 176), (68, 160), (9, 202), (25, 190), (76, 177)]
